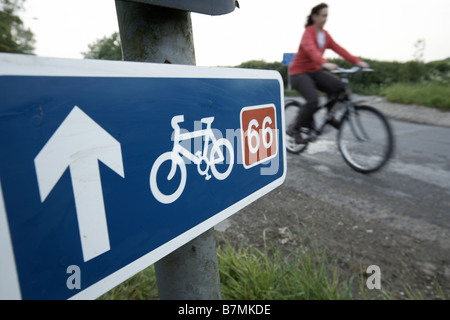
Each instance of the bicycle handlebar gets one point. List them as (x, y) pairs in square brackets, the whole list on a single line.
[(354, 69)]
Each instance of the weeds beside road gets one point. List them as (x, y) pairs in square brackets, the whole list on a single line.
[(430, 94), (248, 273)]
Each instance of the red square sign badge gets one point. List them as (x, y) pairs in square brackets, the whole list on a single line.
[(259, 134)]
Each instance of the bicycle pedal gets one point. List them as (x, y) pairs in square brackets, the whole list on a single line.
[(309, 135), (311, 138)]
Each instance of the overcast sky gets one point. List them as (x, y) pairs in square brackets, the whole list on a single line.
[(260, 29)]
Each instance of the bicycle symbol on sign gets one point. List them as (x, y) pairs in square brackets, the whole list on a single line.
[(201, 159)]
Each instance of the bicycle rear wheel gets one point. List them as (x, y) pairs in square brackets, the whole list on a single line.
[(365, 139), (291, 110)]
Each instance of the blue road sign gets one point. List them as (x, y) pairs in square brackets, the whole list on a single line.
[(106, 167), (287, 58)]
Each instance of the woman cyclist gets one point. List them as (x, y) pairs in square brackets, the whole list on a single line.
[(306, 70)]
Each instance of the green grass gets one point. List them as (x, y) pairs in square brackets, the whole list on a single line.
[(431, 94), (248, 273), (142, 286), (252, 274)]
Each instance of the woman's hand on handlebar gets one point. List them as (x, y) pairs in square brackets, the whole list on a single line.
[(329, 66), (363, 64)]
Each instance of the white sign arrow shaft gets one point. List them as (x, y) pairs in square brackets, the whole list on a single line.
[(79, 143)]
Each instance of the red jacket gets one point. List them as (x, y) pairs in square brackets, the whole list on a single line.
[(309, 56)]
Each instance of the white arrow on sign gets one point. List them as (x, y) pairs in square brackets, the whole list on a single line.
[(79, 143)]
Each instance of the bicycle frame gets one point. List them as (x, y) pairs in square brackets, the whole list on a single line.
[(355, 123), (354, 120)]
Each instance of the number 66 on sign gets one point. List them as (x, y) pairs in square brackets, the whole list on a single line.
[(259, 134)]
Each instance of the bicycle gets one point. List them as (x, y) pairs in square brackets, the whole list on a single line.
[(201, 159), (364, 135)]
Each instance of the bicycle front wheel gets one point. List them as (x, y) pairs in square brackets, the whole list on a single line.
[(365, 139)]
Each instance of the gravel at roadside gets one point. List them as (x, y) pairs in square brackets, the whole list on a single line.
[(410, 112)]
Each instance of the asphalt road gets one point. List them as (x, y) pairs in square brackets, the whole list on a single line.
[(411, 193)]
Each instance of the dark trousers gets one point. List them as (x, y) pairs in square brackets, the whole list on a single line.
[(307, 85)]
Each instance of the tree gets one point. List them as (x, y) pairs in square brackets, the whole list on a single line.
[(14, 37), (107, 48)]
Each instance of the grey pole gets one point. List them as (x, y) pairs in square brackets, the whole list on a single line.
[(190, 272), (157, 34)]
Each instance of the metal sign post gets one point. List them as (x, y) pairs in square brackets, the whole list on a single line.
[(159, 34)]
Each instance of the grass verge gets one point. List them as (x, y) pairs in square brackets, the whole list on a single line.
[(432, 94), (248, 273), (429, 94), (251, 274)]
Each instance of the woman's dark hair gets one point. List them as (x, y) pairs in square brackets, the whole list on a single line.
[(315, 10)]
